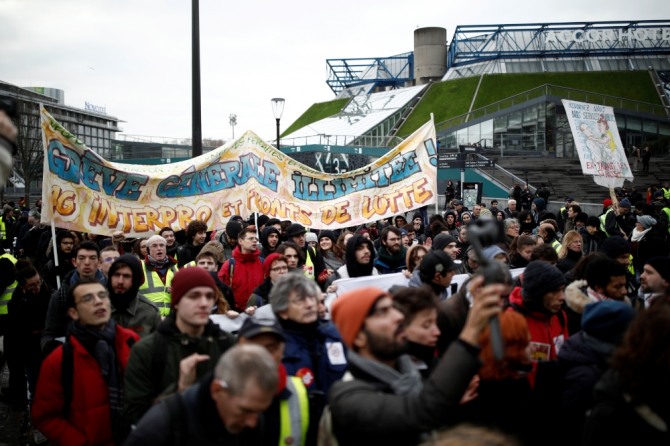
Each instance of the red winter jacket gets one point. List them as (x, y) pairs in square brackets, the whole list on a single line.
[(88, 421), (247, 275), (547, 331)]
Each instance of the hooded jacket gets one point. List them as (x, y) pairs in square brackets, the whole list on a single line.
[(131, 309), (267, 250), (355, 269), (247, 274)]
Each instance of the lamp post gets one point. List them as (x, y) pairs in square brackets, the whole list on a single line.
[(232, 119), (277, 110)]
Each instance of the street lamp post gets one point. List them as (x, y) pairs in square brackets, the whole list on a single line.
[(277, 110), (232, 119)]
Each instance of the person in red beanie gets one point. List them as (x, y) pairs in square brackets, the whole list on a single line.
[(381, 399), (274, 266), (184, 347)]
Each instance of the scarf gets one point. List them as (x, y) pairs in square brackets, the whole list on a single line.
[(404, 381), (100, 344), (392, 260), (158, 264), (636, 236), (331, 260)]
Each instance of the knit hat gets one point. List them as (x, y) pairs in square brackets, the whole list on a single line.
[(267, 263), (607, 202), (490, 252), (540, 278), (614, 247), (646, 221), (441, 241), (187, 279), (661, 265), (328, 233), (311, 237), (215, 249), (295, 229), (233, 228), (417, 214), (352, 308), (625, 203), (262, 220), (607, 320)]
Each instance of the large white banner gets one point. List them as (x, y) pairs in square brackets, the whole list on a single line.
[(598, 143)]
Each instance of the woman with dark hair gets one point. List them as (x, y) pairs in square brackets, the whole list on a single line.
[(341, 245), (521, 250), (527, 222), (414, 256), (419, 306), (504, 382), (140, 248), (295, 257), (631, 404), (327, 246), (27, 311)]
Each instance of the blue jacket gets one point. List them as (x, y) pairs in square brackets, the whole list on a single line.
[(315, 353)]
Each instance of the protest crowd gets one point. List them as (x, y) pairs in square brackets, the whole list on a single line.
[(268, 332)]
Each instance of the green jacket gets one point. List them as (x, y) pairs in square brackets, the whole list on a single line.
[(142, 316), (144, 382)]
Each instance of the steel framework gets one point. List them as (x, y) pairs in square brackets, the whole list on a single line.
[(373, 72)]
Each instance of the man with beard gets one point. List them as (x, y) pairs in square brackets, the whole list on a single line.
[(64, 247), (196, 232), (129, 308), (358, 259), (654, 280), (171, 242), (382, 399), (269, 240), (158, 270), (391, 256)]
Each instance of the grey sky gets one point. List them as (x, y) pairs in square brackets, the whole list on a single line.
[(133, 57)]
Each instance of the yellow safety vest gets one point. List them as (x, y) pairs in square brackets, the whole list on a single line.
[(189, 264), (666, 193), (294, 414), (602, 222), (154, 289), (7, 294), (556, 245), (3, 230), (667, 212), (309, 271)]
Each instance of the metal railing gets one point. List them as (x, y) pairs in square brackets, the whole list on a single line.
[(552, 90), (342, 140), (503, 176)]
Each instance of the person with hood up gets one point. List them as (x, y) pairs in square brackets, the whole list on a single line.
[(541, 301), (130, 309), (274, 266), (269, 239), (65, 253), (538, 206), (359, 260)]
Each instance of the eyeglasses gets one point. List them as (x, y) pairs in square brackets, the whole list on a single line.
[(278, 269), (87, 298)]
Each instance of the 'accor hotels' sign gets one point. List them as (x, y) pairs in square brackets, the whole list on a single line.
[(611, 35)]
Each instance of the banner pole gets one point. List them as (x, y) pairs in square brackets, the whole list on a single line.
[(55, 250), (437, 190)]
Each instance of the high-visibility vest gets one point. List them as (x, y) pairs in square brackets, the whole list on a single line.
[(309, 271), (667, 212), (3, 230), (602, 222), (556, 245), (7, 294), (666, 193), (157, 292), (294, 414)]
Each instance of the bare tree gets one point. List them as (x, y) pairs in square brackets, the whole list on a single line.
[(30, 153)]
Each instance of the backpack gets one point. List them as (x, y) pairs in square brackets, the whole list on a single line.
[(67, 372)]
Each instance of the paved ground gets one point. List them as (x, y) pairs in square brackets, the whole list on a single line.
[(14, 423)]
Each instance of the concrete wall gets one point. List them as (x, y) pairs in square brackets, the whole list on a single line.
[(430, 54)]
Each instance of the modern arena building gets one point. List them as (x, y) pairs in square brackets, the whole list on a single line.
[(498, 87)]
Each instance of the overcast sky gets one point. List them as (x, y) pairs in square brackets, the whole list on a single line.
[(134, 56)]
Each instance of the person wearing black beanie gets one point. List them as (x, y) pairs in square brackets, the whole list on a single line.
[(130, 309), (541, 302)]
